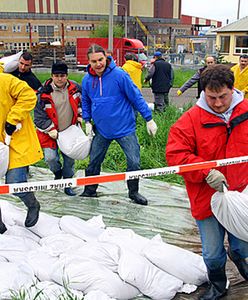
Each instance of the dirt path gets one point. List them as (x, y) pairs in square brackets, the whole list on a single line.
[(188, 96)]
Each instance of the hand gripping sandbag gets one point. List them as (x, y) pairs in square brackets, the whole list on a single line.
[(231, 210), (4, 159), (74, 143), (11, 62)]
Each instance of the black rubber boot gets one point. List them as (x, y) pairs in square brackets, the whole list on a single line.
[(58, 175), (133, 187), (241, 263), (2, 226), (33, 209), (217, 286), (90, 191), (69, 191)]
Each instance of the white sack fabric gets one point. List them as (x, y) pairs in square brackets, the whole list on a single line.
[(231, 210), (181, 263), (11, 62), (74, 143), (4, 159)]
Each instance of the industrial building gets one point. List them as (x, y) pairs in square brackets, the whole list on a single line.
[(26, 23)]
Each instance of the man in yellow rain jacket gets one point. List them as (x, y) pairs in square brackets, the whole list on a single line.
[(240, 72), (16, 102), (133, 68)]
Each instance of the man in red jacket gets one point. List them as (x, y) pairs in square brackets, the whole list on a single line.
[(57, 108), (215, 128)]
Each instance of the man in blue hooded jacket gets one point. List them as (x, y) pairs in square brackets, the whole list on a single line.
[(109, 98)]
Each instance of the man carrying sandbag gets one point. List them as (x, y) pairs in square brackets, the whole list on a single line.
[(58, 107), (215, 128), (17, 130)]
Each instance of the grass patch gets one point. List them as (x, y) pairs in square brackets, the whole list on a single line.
[(152, 150)]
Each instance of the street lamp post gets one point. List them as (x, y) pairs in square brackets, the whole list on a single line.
[(125, 9), (110, 31)]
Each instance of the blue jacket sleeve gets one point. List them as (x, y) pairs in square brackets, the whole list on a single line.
[(86, 101), (135, 97)]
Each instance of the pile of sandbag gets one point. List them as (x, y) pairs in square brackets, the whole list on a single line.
[(69, 255)]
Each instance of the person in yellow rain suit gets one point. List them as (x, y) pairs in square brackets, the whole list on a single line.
[(133, 68), (240, 72), (16, 102)]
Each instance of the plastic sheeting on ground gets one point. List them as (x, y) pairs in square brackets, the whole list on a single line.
[(167, 214)]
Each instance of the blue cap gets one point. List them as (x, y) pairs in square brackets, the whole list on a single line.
[(157, 53)]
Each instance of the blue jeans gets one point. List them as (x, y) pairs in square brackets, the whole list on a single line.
[(17, 175), (52, 158), (99, 148), (212, 237)]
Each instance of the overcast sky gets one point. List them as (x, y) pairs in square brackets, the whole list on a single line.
[(219, 10)]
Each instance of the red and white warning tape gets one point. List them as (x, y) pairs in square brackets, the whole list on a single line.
[(73, 182)]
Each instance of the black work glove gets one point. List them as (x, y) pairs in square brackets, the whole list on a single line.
[(9, 128)]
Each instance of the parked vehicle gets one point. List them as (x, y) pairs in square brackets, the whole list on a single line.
[(121, 46)]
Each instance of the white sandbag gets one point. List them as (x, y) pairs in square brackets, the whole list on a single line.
[(13, 277), (11, 62), (17, 243), (96, 222), (97, 295), (74, 143), (4, 159), (104, 253), (47, 225), (49, 290), (231, 210), (80, 228), (181, 263), (126, 239), (87, 276), (60, 243), (17, 230), (41, 263), (150, 280), (11, 213)]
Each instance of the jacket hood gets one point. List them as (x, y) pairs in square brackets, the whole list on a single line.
[(134, 63), (110, 65), (237, 97)]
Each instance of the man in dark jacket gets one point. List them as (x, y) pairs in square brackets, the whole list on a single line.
[(161, 74), (209, 60), (24, 72)]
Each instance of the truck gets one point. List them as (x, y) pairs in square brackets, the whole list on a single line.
[(121, 46)]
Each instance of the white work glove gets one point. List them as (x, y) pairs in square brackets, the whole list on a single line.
[(7, 139), (151, 127), (8, 136), (216, 180), (89, 129), (53, 134)]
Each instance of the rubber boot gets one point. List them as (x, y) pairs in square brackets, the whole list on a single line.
[(133, 187), (58, 175), (33, 209), (241, 263), (2, 226), (89, 190), (69, 192), (217, 286)]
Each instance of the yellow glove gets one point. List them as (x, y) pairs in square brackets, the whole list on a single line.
[(179, 93), (53, 134)]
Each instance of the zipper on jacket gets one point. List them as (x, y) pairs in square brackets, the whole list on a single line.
[(100, 80)]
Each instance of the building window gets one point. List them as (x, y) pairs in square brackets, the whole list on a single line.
[(3, 27), (224, 44), (241, 45)]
